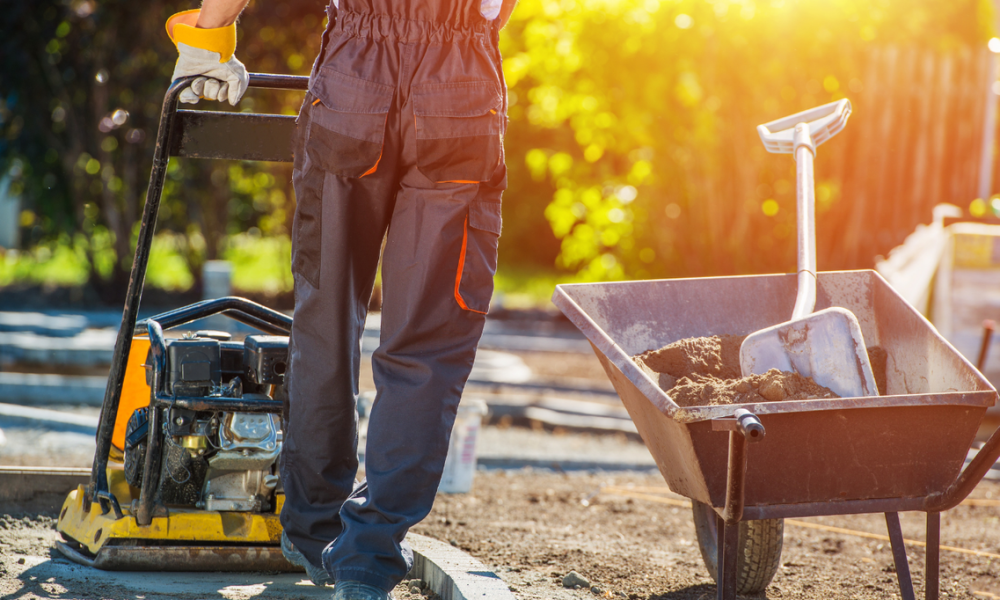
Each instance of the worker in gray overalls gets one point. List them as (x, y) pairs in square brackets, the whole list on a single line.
[(400, 138)]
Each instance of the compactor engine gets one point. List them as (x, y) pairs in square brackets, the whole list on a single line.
[(213, 460)]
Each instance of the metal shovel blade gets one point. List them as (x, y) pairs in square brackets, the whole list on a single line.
[(826, 345)]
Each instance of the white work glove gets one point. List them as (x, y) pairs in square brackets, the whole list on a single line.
[(210, 54)]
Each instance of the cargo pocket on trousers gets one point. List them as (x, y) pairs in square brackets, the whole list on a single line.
[(478, 260), (347, 123), (307, 226), (458, 130)]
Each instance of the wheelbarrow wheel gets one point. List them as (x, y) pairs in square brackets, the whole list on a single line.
[(759, 552)]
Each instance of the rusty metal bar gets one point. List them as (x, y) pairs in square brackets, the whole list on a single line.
[(742, 427), (850, 507), (988, 327), (899, 556), (933, 557), (720, 555), (729, 541), (968, 479), (736, 483)]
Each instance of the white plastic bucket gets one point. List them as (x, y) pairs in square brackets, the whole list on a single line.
[(460, 466)]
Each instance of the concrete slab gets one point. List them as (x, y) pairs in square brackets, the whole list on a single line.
[(49, 577), (91, 348), (42, 324), (38, 388), (448, 571), (50, 419)]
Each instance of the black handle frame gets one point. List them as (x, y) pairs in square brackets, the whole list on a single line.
[(98, 490)]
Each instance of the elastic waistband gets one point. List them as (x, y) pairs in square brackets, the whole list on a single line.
[(390, 27)]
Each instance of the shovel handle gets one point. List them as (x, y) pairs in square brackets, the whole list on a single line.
[(824, 122), (800, 134)]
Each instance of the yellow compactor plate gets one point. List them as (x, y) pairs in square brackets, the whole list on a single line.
[(186, 540)]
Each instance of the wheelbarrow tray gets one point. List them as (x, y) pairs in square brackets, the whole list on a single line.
[(825, 456)]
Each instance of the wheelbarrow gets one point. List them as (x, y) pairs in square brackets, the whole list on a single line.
[(901, 451)]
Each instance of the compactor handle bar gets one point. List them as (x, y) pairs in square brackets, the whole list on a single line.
[(170, 122)]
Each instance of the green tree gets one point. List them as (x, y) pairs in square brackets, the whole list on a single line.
[(81, 87), (634, 120)]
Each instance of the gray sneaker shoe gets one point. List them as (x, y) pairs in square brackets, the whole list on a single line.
[(355, 590), (318, 575)]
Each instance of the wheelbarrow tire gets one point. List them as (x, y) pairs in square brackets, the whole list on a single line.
[(759, 553)]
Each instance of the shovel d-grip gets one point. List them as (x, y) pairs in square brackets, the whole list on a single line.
[(743, 426)]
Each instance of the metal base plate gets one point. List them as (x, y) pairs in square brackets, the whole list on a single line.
[(180, 558)]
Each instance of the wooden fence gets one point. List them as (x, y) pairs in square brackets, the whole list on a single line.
[(914, 140)]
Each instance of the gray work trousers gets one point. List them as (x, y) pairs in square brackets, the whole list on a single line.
[(400, 137)]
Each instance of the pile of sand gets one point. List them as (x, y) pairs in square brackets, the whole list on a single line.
[(706, 371)]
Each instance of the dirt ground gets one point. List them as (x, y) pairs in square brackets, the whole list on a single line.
[(630, 538), (623, 532)]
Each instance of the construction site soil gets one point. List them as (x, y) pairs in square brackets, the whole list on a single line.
[(706, 371), (626, 534)]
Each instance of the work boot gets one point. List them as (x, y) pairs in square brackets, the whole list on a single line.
[(355, 590), (318, 575)]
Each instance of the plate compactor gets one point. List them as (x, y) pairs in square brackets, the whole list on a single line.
[(185, 476)]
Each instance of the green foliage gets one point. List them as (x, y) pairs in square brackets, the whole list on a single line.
[(260, 264), (81, 87), (634, 120), (528, 287), (631, 149)]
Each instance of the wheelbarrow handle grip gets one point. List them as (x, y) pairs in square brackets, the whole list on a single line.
[(824, 122), (749, 425)]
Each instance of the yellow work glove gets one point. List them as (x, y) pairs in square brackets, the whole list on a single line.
[(209, 53)]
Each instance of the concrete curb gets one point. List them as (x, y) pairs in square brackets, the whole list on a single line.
[(453, 574)]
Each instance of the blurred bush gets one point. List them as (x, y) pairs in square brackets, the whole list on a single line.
[(81, 85), (634, 121), (631, 150)]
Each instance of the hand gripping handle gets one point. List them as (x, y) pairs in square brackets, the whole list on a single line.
[(824, 122)]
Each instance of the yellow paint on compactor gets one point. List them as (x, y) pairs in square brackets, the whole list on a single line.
[(94, 530)]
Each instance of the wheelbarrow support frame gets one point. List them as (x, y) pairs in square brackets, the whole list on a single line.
[(744, 427)]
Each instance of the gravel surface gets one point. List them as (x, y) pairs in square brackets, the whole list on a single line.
[(624, 533), (631, 538), (522, 443)]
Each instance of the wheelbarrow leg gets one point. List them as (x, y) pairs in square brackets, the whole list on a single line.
[(728, 554), (899, 556), (741, 426), (932, 577), (720, 556)]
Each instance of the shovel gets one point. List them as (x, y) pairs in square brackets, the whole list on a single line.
[(825, 345)]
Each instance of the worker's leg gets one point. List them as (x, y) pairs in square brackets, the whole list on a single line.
[(345, 182), (428, 347), (437, 274)]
